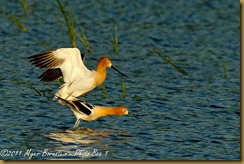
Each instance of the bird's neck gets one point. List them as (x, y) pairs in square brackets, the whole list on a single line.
[(105, 111), (100, 75)]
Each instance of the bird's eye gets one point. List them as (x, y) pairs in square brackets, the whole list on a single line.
[(124, 110)]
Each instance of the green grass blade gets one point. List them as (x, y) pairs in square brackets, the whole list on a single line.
[(116, 41), (70, 25), (62, 24), (104, 90), (169, 61), (83, 39), (43, 44), (61, 8), (225, 71), (16, 21), (39, 93), (25, 6), (123, 89)]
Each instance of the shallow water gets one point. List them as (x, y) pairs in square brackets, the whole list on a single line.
[(171, 116)]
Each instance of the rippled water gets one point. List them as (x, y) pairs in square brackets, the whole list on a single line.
[(171, 115)]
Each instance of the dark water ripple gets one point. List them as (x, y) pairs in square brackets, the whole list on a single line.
[(171, 116)]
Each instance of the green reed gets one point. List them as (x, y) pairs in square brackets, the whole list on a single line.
[(116, 51), (17, 22), (104, 90), (169, 60), (44, 45), (225, 71), (83, 39), (123, 88), (115, 41), (70, 23), (39, 93), (25, 6)]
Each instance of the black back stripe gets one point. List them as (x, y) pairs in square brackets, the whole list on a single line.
[(82, 107), (89, 105)]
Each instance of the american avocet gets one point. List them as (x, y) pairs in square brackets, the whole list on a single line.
[(68, 63), (88, 112)]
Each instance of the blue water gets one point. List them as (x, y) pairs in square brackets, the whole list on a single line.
[(171, 116)]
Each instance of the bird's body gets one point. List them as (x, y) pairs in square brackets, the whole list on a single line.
[(80, 86), (88, 112), (68, 63)]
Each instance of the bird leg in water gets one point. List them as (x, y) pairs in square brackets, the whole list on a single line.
[(77, 123)]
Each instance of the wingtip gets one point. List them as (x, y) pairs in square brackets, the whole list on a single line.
[(82, 56), (39, 55)]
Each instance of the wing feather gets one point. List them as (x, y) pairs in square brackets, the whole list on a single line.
[(51, 75), (68, 60)]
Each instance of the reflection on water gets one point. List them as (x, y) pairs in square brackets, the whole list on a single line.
[(82, 143), (79, 135)]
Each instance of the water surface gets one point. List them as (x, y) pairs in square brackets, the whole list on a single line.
[(171, 116)]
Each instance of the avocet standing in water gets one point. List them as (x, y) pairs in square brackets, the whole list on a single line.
[(68, 63), (88, 112)]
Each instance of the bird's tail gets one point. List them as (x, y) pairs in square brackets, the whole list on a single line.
[(61, 100), (79, 106)]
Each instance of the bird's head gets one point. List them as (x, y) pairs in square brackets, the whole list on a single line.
[(121, 110), (105, 62)]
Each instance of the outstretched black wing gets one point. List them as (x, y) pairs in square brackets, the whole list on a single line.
[(51, 75)]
